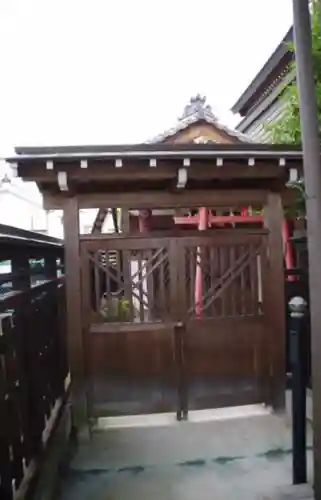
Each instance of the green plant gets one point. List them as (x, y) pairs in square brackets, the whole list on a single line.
[(124, 309), (298, 210), (115, 309), (285, 129)]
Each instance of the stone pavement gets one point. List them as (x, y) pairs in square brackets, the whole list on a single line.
[(234, 458), (293, 492)]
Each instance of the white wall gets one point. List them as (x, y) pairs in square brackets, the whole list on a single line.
[(55, 224), (21, 206), (87, 218)]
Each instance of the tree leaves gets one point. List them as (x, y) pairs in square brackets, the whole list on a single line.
[(285, 129)]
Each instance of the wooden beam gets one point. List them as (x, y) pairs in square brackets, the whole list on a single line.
[(125, 221), (164, 199), (273, 219), (220, 219), (74, 310), (114, 215), (102, 171), (56, 201), (138, 241), (106, 172), (99, 220)]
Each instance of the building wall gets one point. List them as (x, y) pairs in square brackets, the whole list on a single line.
[(269, 108), (257, 129), (21, 206)]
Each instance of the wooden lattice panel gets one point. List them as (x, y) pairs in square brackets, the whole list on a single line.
[(230, 280), (129, 285)]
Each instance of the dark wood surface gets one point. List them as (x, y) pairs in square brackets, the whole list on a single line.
[(133, 371), (275, 294), (33, 361), (233, 353), (74, 307), (157, 369), (171, 359), (225, 362)]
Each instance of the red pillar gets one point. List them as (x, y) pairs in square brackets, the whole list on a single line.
[(145, 221), (288, 250)]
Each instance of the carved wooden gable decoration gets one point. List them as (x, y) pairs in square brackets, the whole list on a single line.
[(198, 124)]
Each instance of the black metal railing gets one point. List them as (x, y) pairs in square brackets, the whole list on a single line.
[(33, 364)]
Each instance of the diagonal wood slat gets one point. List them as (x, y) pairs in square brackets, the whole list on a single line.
[(140, 284), (229, 281), (222, 278), (99, 220)]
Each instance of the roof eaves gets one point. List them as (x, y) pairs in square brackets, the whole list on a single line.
[(162, 150), (261, 76), (181, 125)]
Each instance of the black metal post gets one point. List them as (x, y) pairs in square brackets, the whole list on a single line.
[(312, 178), (297, 306)]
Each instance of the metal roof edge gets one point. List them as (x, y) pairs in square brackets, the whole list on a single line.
[(160, 150)]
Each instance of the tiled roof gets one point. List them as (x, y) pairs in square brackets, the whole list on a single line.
[(196, 111)]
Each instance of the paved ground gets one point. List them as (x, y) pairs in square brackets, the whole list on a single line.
[(236, 458)]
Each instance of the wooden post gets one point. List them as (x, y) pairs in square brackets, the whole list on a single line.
[(126, 262), (51, 266), (20, 268), (125, 223), (74, 312), (273, 219)]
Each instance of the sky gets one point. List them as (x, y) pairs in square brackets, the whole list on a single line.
[(108, 72)]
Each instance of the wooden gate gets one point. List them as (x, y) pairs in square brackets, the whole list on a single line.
[(150, 347), (225, 336)]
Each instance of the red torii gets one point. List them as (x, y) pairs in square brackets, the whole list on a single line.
[(205, 219)]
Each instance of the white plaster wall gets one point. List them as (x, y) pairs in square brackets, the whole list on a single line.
[(55, 224), (18, 212), (87, 218), (21, 206)]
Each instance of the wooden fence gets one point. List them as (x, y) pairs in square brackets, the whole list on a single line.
[(33, 365)]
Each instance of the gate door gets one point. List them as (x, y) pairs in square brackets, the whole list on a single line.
[(129, 292), (222, 288)]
